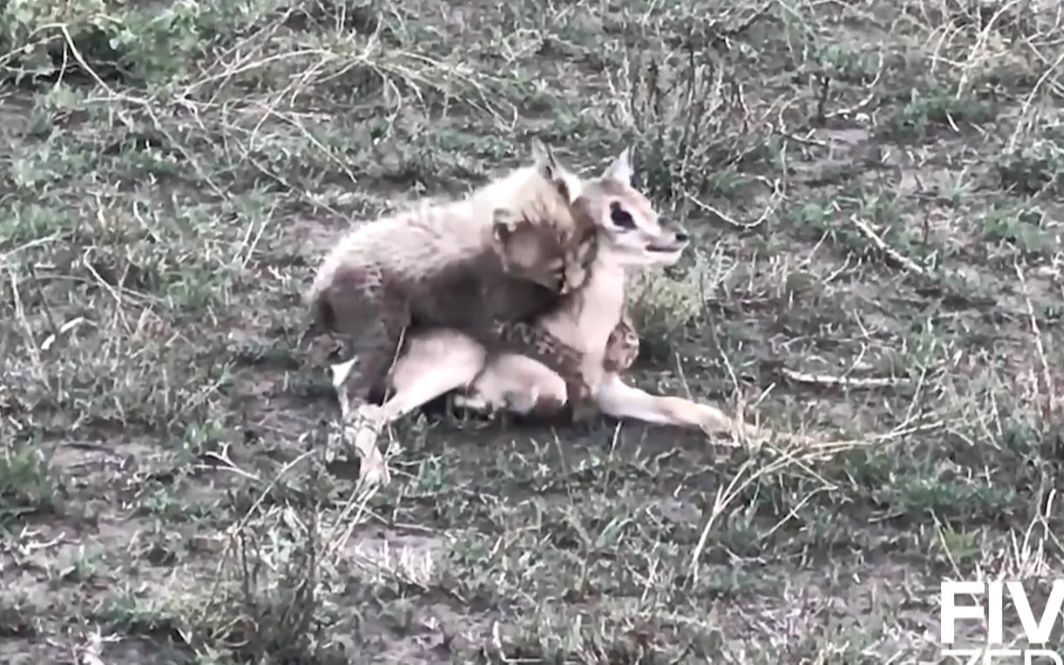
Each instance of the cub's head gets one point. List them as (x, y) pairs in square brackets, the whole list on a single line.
[(537, 231), (630, 232)]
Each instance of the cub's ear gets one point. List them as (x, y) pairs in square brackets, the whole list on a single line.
[(545, 160), (541, 152), (620, 170), (553, 170)]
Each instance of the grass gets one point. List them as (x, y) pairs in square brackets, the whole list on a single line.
[(875, 192)]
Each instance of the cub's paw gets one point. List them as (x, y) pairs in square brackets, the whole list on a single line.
[(622, 349), (578, 259)]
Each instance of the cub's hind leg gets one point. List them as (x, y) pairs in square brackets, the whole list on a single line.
[(359, 308)]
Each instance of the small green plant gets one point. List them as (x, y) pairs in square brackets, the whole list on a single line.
[(661, 306), (84, 566), (1021, 227), (961, 547), (845, 64), (683, 125), (1033, 169), (28, 482), (929, 109)]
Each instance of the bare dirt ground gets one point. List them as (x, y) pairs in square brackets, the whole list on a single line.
[(876, 192)]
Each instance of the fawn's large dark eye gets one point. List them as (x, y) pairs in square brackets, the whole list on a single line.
[(620, 217)]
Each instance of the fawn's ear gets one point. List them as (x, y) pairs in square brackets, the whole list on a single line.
[(620, 170)]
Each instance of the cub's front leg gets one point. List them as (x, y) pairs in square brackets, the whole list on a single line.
[(536, 343), (360, 308), (520, 380)]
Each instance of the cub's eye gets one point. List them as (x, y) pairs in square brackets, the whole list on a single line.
[(620, 217)]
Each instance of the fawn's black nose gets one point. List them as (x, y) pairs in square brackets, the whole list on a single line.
[(681, 236)]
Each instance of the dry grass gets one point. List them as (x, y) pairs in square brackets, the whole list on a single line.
[(875, 188)]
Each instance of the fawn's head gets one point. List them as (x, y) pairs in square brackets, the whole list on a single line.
[(630, 231)]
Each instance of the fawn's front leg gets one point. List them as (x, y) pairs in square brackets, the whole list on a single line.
[(620, 400)]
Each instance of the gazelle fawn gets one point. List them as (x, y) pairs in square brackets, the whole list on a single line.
[(631, 238)]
